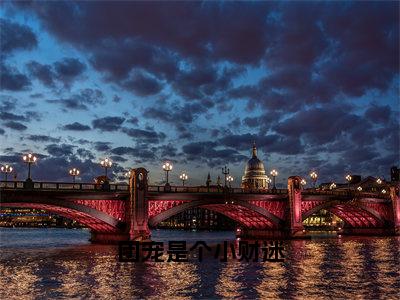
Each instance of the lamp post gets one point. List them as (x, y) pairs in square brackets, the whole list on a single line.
[(6, 169), (303, 182), (128, 175), (167, 167), (106, 163), (229, 179), (332, 186), (225, 171), (348, 178), (29, 159), (274, 173), (183, 177), (268, 180), (74, 172), (314, 177)]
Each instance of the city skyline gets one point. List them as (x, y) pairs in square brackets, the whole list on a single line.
[(314, 87)]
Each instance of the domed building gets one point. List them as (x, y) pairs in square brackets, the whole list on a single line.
[(254, 173)]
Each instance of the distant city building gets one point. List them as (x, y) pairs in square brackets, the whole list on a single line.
[(368, 184), (198, 218), (254, 173), (394, 174)]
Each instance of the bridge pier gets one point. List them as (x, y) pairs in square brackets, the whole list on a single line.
[(295, 217), (137, 208), (395, 197)]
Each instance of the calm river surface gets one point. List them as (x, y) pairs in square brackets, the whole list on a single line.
[(61, 263)]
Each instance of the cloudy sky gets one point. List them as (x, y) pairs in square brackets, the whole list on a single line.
[(314, 84)]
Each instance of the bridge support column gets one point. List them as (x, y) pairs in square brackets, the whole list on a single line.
[(295, 217), (137, 209), (395, 197)]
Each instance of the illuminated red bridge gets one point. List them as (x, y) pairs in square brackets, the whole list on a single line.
[(120, 212)]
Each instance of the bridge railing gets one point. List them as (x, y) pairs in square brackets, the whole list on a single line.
[(203, 189), (63, 186), (123, 187), (350, 193)]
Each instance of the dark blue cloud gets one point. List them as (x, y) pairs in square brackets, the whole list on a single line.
[(76, 126), (108, 123), (15, 36), (15, 125)]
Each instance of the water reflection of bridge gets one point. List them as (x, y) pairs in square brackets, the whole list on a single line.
[(121, 211)]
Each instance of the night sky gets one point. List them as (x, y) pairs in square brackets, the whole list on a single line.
[(314, 84)]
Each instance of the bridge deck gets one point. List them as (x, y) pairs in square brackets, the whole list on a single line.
[(123, 188)]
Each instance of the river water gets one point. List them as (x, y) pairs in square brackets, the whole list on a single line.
[(61, 263)]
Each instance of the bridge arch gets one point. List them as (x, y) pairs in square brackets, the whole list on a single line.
[(85, 215), (354, 214), (246, 214)]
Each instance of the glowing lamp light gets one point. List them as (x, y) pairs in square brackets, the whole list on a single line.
[(274, 173), (384, 191), (29, 159), (106, 163), (229, 179), (379, 181), (332, 186), (6, 169), (74, 172), (167, 167), (303, 182), (359, 188), (314, 177), (183, 177)]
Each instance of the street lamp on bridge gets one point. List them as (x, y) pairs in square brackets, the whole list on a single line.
[(379, 181), (167, 167), (229, 179), (348, 178), (29, 159), (225, 171), (74, 172), (274, 173), (332, 186), (183, 177), (314, 177), (6, 169), (303, 182), (106, 163)]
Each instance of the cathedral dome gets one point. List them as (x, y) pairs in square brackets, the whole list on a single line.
[(254, 173), (254, 166)]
